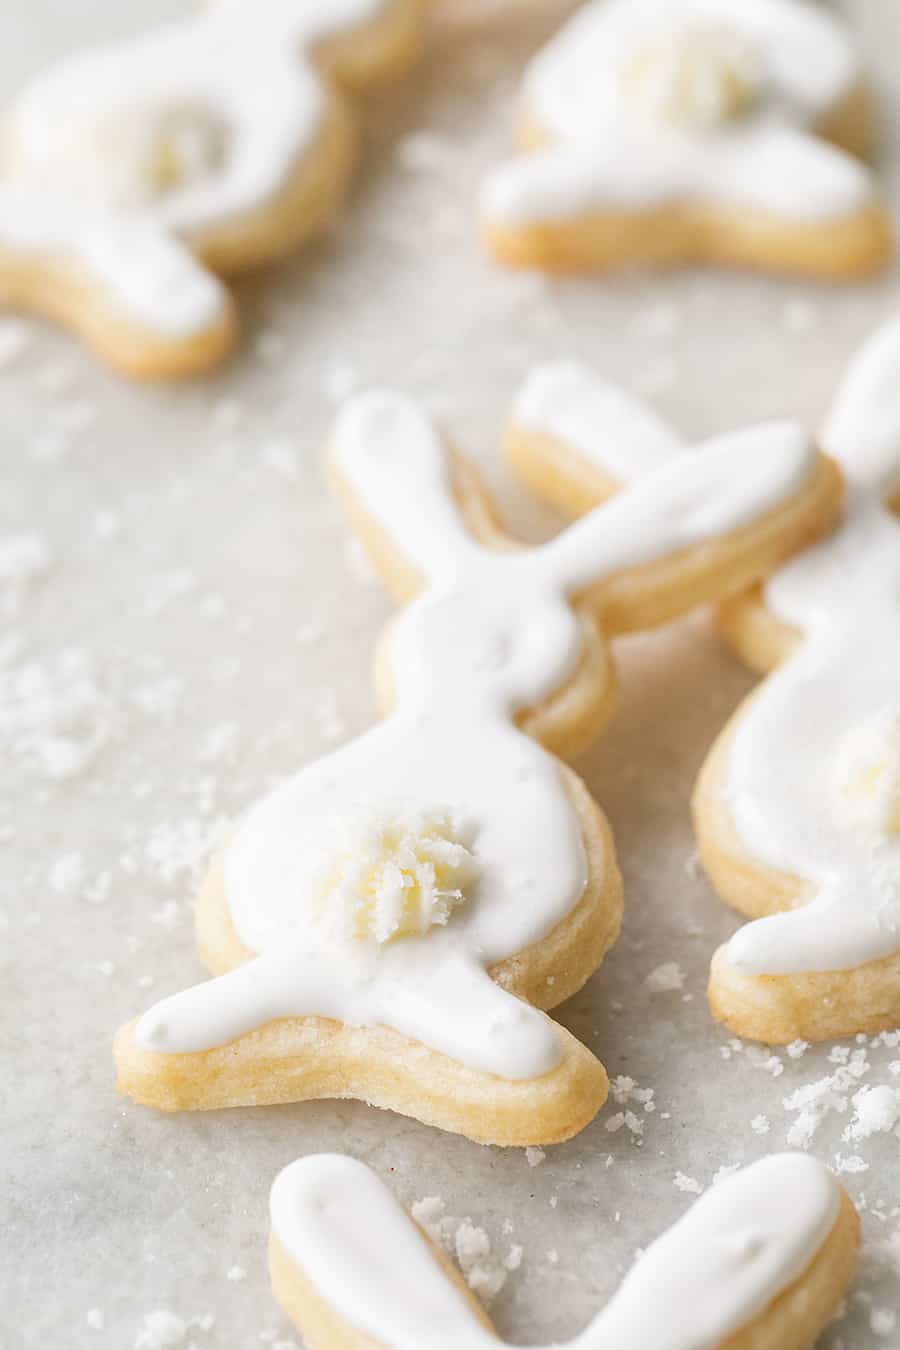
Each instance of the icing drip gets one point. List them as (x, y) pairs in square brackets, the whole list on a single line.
[(174, 131), (715, 1270), (784, 67), (492, 633)]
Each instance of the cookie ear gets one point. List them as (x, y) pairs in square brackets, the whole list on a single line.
[(863, 427), (574, 439), (702, 526), (130, 288), (763, 1257), (417, 507), (342, 1244)]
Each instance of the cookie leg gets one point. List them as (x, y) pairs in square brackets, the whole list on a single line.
[(130, 289)]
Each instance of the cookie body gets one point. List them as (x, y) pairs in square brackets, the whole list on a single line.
[(660, 133), (761, 1260), (138, 172)]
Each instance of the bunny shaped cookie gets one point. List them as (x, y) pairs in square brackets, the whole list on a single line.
[(663, 131), (761, 1260), (389, 923), (133, 172), (798, 805)]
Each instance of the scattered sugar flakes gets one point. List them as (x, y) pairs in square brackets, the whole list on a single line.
[(883, 1321), (689, 1184), (815, 1101), (236, 1273), (358, 564), (95, 1319), (484, 1272), (693, 866), (329, 718), (799, 316), (726, 1170), (177, 851), (168, 916), (67, 874), (281, 457), (534, 1156), (797, 1049), (760, 1124), (852, 1163), (24, 557), (219, 743), (665, 979), (16, 336), (270, 346), (339, 379), (660, 320), (423, 152), (625, 1089), (53, 715), (167, 587), (158, 699), (876, 1110), (160, 1330), (227, 414)]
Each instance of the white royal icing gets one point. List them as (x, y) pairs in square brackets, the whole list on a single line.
[(831, 695), (492, 633), (712, 1273), (615, 145), (191, 126)]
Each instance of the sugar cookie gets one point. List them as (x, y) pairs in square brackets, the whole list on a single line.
[(135, 171), (798, 805), (389, 923), (667, 131), (760, 1262)]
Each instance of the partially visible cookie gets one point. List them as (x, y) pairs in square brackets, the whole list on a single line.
[(134, 172), (671, 131), (760, 1262), (798, 806)]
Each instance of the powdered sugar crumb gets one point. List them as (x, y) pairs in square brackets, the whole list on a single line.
[(470, 1246), (665, 979), (160, 1330)]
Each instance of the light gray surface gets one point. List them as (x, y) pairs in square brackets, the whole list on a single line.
[(199, 566)]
